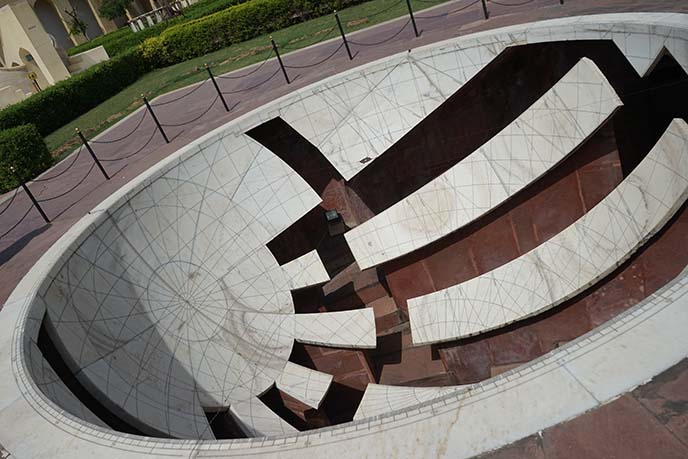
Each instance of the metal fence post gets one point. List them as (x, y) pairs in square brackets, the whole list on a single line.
[(155, 118), (279, 59), (29, 194), (217, 88), (485, 12), (341, 30), (93, 155), (413, 20)]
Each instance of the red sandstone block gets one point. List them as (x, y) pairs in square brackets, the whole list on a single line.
[(469, 362), (622, 428), (518, 346), (616, 295)]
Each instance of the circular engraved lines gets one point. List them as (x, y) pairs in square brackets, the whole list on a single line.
[(186, 301)]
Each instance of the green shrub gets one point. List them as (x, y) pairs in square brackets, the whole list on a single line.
[(23, 148), (67, 100), (57, 105), (239, 23), (124, 39)]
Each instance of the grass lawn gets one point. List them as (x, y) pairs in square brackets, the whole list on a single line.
[(233, 57)]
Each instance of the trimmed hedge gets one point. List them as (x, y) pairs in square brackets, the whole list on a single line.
[(124, 39), (219, 30), (23, 148), (239, 23), (67, 100), (57, 105)]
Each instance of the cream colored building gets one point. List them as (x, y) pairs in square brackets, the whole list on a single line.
[(27, 50), (34, 35), (53, 16)]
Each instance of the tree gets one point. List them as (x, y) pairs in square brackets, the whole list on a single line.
[(111, 9), (77, 26)]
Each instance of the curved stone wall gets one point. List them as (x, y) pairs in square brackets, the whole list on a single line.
[(169, 280)]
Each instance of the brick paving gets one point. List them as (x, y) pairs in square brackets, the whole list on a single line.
[(648, 422)]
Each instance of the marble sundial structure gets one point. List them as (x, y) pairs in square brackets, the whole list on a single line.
[(170, 303)]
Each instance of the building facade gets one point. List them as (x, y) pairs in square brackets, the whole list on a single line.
[(34, 35)]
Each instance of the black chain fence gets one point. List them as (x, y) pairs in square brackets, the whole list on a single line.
[(148, 111)]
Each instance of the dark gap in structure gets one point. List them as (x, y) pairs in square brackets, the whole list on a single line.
[(295, 150), (224, 425), (301, 237), (274, 400), (335, 254), (59, 366), (300, 356), (313, 232), (650, 104), (308, 300), (342, 399), (341, 402)]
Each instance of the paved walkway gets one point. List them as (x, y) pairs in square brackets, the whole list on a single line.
[(649, 422)]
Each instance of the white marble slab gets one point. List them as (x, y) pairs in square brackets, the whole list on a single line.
[(257, 420), (356, 116), (174, 304), (361, 114), (305, 271), (546, 133), (304, 384), (355, 329), (571, 261), (381, 399)]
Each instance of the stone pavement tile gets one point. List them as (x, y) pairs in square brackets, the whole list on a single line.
[(666, 258), (601, 174), (460, 257), (410, 281), (555, 208), (529, 447), (648, 423), (383, 306), (342, 363), (519, 346), (621, 429), (524, 230), (493, 245), (666, 397), (499, 369), (469, 362), (568, 323), (618, 294), (415, 364)]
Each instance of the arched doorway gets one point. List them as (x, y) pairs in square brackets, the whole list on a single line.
[(84, 11), (52, 24), (32, 67)]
